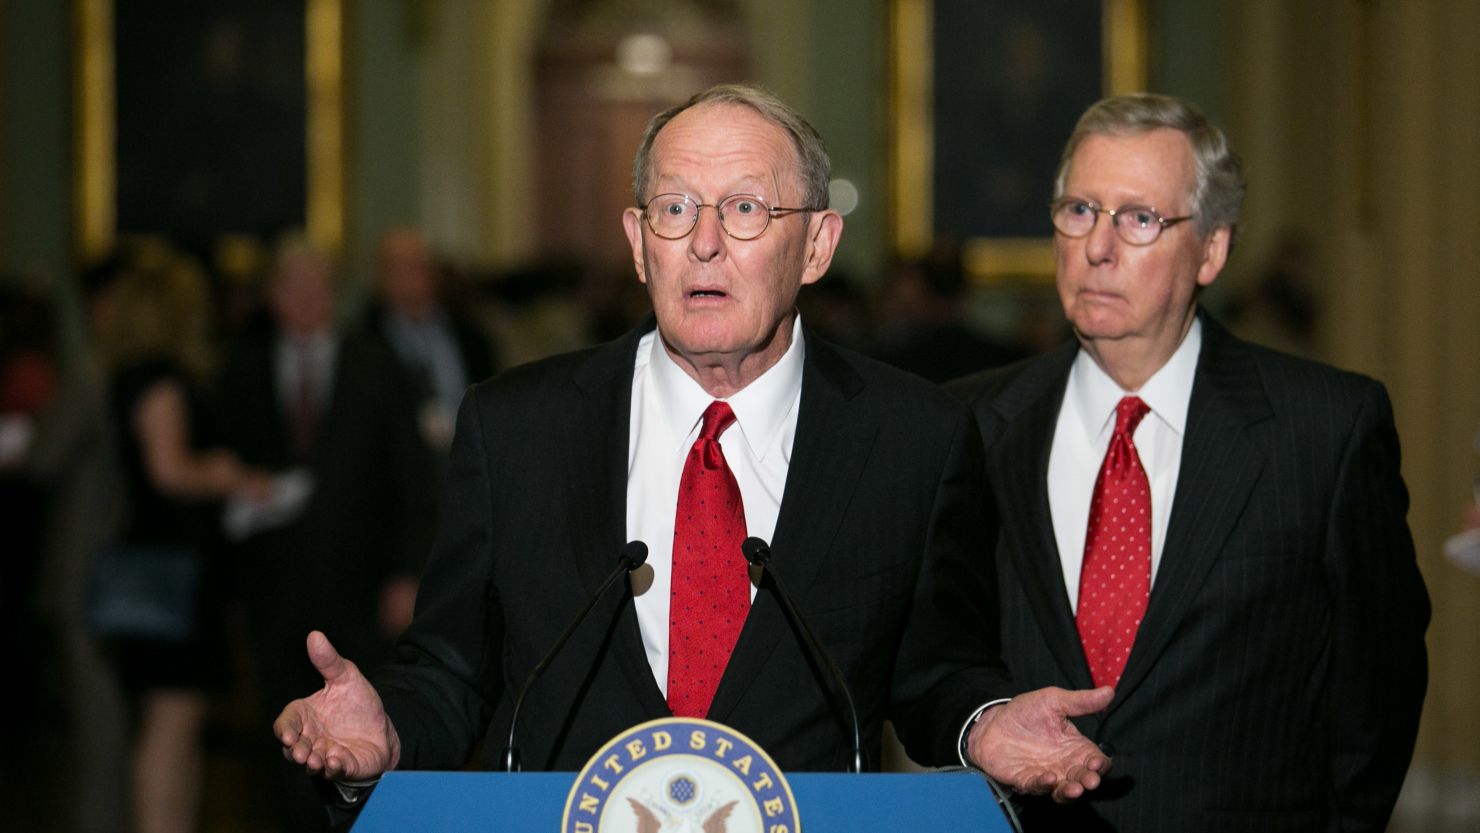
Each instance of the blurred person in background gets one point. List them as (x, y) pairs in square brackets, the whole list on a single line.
[(152, 331), (68, 449), (28, 381), (333, 412), (540, 309), (442, 350), (837, 309), (924, 325), (1279, 308), (1463, 548)]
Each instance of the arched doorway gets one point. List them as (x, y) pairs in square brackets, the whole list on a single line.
[(602, 69)]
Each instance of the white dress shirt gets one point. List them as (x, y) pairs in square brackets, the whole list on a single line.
[(429, 347), (1082, 435), (296, 358), (667, 406)]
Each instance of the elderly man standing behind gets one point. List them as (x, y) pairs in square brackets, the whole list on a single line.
[(866, 480), (1215, 529)]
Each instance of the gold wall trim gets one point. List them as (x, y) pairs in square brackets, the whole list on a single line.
[(912, 139), (912, 151), (93, 165), (1008, 256), (1125, 46), (324, 68)]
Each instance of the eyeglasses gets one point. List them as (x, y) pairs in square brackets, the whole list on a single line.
[(742, 216), (1075, 217)]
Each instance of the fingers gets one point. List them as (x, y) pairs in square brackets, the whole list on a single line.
[(288, 726), (319, 757), (1067, 792), (330, 665), (1098, 764), (1077, 703), (1039, 783), (301, 752), (1079, 781)]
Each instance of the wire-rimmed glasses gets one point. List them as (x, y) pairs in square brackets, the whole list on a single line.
[(1138, 225), (742, 216)]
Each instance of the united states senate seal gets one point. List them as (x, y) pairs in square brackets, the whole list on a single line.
[(680, 775)]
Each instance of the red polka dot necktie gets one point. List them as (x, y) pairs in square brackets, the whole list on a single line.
[(1116, 579), (710, 594)]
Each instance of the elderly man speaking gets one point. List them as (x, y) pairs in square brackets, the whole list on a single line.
[(722, 419)]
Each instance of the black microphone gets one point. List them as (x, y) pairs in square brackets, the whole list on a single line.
[(633, 554), (758, 553)]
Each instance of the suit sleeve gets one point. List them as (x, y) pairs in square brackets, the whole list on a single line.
[(1381, 610), (440, 687), (950, 657)]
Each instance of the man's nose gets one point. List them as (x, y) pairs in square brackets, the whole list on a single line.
[(708, 238), (1103, 241)]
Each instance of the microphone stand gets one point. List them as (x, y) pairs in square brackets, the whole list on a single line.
[(633, 554), (758, 553)]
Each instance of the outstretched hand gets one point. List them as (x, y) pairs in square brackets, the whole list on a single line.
[(341, 731), (1029, 744)]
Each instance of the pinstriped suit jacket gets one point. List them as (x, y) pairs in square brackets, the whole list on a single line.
[(1277, 678), (878, 538)]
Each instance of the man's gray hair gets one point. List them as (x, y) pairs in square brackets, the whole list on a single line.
[(815, 169), (1217, 194)]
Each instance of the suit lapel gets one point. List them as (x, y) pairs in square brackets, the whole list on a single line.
[(597, 432), (829, 455), (1030, 407), (1220, 466)]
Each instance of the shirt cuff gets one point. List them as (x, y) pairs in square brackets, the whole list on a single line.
[(966, 731), (353, 791)]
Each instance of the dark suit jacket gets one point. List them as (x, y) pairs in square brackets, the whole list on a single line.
[(879, 538), (370, 516), (1276, 680)]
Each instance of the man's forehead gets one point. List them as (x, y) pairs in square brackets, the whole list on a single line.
[(719, 133), (1156, 160), (725, 115)]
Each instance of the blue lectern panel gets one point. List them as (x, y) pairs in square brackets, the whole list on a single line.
[(428, 802)]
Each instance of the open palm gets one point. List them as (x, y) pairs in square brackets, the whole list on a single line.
[(1029, 744), (341, 731)]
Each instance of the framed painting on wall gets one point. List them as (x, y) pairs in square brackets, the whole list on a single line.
[(984, 94), (203, 121)]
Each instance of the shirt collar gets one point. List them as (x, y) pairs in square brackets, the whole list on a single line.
[(317, 344), (1168, 392), (400, 321), (761, 408)]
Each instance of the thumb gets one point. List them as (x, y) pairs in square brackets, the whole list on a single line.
[(330, 665), (1086, 701)]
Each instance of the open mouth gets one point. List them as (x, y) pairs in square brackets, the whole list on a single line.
[(706, 293)]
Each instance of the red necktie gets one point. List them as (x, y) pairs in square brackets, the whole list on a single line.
[(305, 416), (710, 594), (1116, 579)]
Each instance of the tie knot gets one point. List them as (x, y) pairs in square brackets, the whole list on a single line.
[(717, 417), (1128, 414)]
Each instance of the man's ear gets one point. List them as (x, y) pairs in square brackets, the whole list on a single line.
[(1215, 255), (826, 229), (632, 224)]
